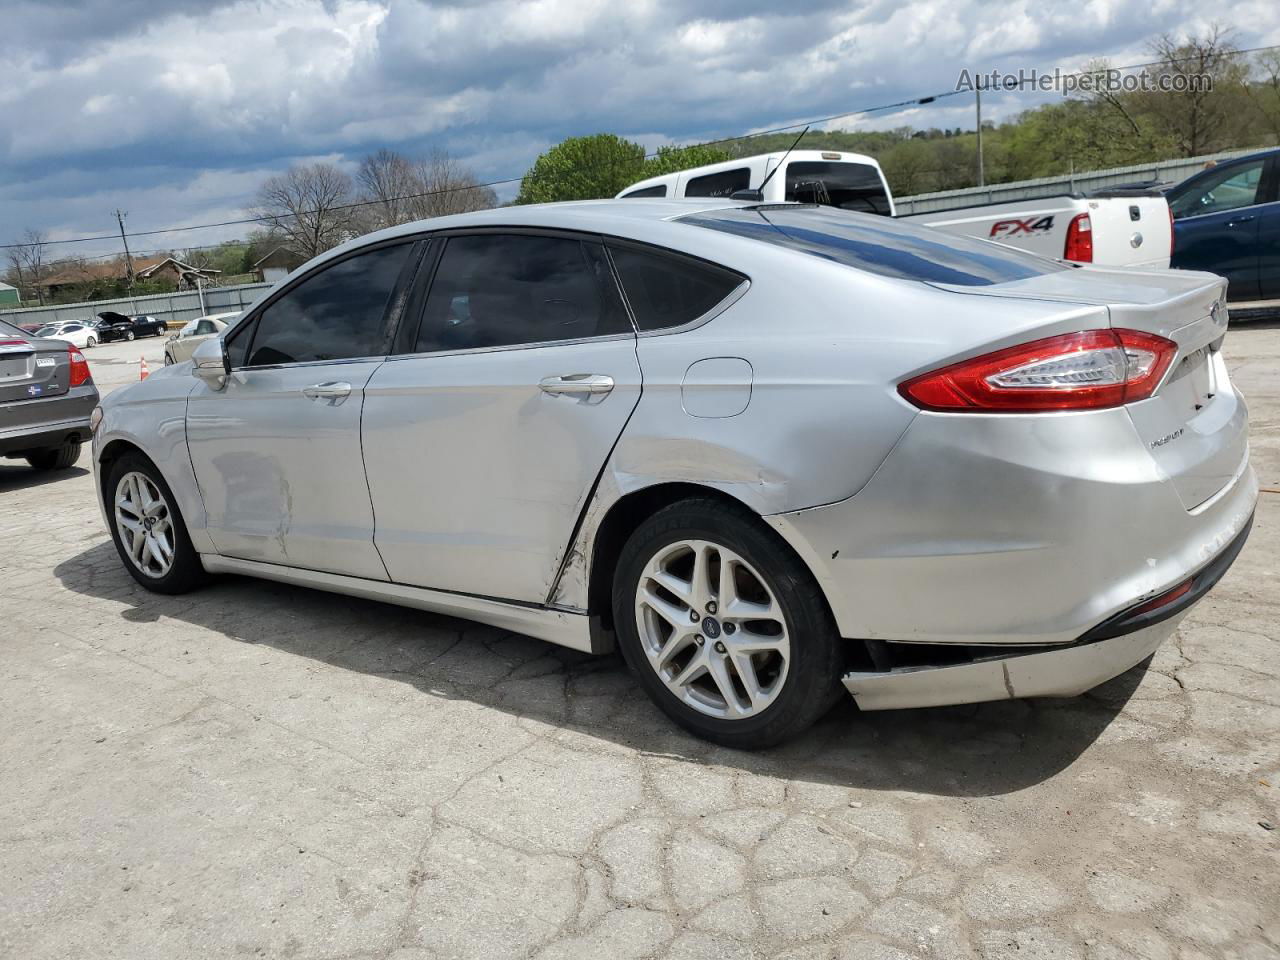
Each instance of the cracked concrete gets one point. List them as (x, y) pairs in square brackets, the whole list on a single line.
[(266, 771)]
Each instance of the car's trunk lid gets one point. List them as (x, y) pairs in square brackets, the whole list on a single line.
[(1195, 425), (31, 368)]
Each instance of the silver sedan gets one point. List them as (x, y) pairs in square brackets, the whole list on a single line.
[(768, 452)]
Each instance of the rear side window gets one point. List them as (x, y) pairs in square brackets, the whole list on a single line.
[(504, 290), (721, 184), (335, 314), (879, 245), (659, 191), (849, 186), (669, 291)]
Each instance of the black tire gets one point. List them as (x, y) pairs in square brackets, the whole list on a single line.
[(56, 458), (168, 360), (812, 684), (128, 335), (186, 573), (90, 342)]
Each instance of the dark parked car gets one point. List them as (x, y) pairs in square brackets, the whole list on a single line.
[(116, 326), (46, 397), (1226, 219)]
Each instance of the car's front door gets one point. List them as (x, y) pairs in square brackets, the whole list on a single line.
[(276, 451), (1216, 220), (484, 438)]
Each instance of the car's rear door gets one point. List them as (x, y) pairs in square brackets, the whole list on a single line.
[(484, 437), (276, 451)]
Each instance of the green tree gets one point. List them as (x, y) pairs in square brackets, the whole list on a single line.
[(583, 168), (675, 159)]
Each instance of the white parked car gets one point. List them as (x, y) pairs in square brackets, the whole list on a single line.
[(180, 346), (74, 332)]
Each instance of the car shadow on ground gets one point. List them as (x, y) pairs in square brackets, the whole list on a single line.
[(979, 750), (16, 475)]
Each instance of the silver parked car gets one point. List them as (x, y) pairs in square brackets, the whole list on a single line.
[(182, 344), (763, 449)]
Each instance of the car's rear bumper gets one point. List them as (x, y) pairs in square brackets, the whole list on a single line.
[(1106, 651), (1008, 531), (48, 422)]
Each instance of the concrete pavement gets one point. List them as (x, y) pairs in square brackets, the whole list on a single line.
[(262, 771)]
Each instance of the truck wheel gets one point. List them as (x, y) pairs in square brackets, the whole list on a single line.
[(56, 458)]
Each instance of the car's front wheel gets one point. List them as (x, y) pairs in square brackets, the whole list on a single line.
[(90, 342), (147, 527), (128, 335), (725, 627)]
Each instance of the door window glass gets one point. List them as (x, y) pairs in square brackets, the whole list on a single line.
[(722, 184), (502, 290), (1232, 188), (335, 314)]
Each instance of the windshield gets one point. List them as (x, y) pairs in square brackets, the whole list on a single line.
[(879, 245), (849, 186)]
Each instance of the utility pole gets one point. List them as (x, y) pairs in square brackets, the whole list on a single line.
[(128, 259), (982, 179)]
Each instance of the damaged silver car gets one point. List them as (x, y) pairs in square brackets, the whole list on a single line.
[(771, 452)]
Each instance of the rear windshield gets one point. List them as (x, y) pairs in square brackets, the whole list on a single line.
[(849, 186), (880, 245)]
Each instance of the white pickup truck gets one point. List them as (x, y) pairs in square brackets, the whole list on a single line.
[(1116, 228)]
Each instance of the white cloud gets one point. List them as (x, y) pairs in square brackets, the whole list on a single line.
[(178, 110)]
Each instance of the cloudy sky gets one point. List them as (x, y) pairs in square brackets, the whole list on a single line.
[(176, 111)]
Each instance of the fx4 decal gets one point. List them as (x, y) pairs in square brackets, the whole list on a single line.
[(1009, 228)]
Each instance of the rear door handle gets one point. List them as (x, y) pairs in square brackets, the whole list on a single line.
[(333, 392), (577, 384)]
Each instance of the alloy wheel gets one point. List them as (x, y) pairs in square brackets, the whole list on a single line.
[(712, 630), (145, 524)]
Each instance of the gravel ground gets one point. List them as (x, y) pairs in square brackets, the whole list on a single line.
[(263, 771)]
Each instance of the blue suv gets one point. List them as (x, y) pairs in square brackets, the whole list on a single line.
[(1226, 219)]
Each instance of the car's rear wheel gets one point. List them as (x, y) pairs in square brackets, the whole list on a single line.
[(147, 528), (168, 360), (90, 342), (56, 458), (725, 627)]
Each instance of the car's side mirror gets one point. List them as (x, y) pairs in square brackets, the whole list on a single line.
[(209, 362)]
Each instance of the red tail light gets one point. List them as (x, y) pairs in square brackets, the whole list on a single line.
[(1079, 239), (1173, 234), (1088, 370), (79, 368)]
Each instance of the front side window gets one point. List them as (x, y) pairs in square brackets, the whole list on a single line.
[(204, 327), (723, 184), (1228, 189), (503, 290), (881, 245), (335, 314), (849, 186), (669, 291)]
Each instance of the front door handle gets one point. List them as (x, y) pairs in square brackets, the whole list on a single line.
[(577, 384), (1234, 220), (332, 392)]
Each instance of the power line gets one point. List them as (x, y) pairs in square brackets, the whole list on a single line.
[(910, 102)]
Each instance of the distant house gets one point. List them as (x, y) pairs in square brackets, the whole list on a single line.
[(9, 296), (184, 275), (277, 264)]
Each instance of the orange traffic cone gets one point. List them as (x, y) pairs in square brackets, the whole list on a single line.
[(143, 372)]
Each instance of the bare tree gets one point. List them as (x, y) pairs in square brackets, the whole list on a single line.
[(309, 206), (448, 187), (387, 181), (27, 264), (1265, 93)]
